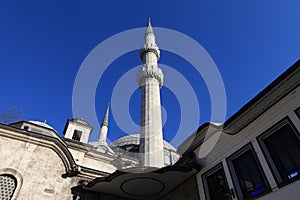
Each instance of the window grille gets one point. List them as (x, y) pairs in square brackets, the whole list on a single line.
[(7, 186)]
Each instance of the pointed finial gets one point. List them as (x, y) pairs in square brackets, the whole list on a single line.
[(105, 119), (149, 27)]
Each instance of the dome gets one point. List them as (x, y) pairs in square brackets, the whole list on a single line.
[(134, 139), (130, 146), (104, 148), (42, 124)]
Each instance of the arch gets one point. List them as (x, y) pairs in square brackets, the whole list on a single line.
[(14, 178)]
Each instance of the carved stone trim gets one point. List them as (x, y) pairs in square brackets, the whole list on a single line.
[(150, 73)]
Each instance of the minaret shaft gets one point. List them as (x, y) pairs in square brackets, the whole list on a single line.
[(151, 125), (103, 134), (150, 79)]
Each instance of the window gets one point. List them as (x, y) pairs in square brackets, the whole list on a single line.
[(215, 184), (8, 186), (247, 174), (281, 146), (297, 111), (77, 135)]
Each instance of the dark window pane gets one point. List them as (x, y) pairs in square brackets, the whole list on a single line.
[(284, 149), (217, 186), (77, 135), (249, 175)]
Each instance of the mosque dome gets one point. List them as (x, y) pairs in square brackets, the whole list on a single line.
[(130, 146), (42, 124), (134, 139)]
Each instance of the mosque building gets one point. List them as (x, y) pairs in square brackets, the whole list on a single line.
[(255, 157)]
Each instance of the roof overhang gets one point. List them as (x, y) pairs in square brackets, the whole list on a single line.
[(144, 183)]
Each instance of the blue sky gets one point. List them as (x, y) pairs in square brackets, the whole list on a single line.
[(43, 44)]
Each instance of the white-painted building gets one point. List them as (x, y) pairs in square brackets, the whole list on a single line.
[(257, 153)]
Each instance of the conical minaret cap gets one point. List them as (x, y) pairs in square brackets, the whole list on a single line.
[(149, 27), (105, 119), (149, 43)]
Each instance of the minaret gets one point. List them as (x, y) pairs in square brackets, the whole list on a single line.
[(150, 80), (104, 128)]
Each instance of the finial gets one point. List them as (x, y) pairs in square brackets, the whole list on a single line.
[(105, 119), (45, 121), (149, 27)]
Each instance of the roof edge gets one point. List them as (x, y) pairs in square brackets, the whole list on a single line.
[(197, 138)]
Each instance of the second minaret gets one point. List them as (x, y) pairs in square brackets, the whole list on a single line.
[(150, 80)]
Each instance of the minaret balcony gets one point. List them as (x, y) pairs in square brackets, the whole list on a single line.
[(149, 48), (145, 74)]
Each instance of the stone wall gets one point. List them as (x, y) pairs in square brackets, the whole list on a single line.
[(39, 168)]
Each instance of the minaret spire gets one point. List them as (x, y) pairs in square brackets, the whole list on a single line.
[(105, 118), (150, 80), (149, 27), (104, 127)]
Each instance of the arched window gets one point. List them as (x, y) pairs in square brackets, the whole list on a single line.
[(8, 184)]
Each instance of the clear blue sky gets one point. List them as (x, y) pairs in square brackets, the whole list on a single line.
[(43, 43)]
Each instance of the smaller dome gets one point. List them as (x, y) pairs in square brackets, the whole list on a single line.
[(43, 124), (101, 147)]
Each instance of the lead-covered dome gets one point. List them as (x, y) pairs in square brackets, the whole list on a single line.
[(43, 124), (134, 139), (130, 145)]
